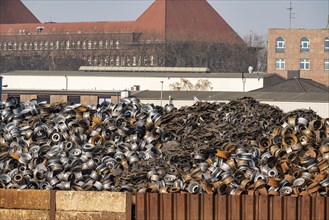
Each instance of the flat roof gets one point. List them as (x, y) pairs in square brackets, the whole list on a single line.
[(144, 69), (135, 74)]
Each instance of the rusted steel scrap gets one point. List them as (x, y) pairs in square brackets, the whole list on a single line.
[(242, 147)]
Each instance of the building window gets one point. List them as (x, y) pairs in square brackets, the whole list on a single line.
[(95, 45), (73, 99), (103, 99), (134, 60), (51, 45), (326, 64), (145, 61), (84, 45), (100, 44), (15, 46), (40, 45), (78, 44), (280, 45), (122, 61), (117, 61), (117, 44), (152, 60), (101, 61), (57, 45), (19, 46), (43, 98), (35, 45), (25, 46), (305, 64), (106, 61), (326, 44), (279, 64), (89, 44), (128, 61), (9, 46), (304, 45), (63, 45), (5, 46), (89, 61), (46, 45), (68, 45), (95, 61)]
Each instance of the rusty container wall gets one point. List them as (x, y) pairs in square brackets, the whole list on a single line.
[(4, 97), (88, 100), (28, 97), (190, 206), (26, 204), (50, 204), (58, 98)]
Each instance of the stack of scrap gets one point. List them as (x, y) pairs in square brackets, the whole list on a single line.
[(242, 147)]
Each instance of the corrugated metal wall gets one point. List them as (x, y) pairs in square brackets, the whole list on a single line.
[(188, 206)]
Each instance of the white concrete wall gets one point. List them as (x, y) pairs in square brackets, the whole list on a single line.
[(322, 109), (116, 83)]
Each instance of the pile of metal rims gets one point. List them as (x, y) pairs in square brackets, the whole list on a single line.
[(242, 147)]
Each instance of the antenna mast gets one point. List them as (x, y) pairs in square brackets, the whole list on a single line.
[(290, 14)]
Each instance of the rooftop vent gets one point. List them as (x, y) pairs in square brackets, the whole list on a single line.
[(293, 74), (39, 29)]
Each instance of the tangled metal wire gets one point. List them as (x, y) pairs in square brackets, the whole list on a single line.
[(242, 147)]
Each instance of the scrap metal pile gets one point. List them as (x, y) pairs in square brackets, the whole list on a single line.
[(242, 147)]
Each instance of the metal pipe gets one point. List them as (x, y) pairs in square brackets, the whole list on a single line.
[(66, 82), (161, 93), (1, 88)]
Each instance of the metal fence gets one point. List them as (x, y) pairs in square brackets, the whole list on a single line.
[(189, 206)]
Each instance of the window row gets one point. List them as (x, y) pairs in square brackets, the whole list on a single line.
[(56, 45), (305, 45), (70, 99), (120, 60), (304, 64)]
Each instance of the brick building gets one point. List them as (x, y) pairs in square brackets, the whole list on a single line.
[(168, 33), (305, 50)]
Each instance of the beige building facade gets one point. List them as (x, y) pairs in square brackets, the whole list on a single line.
[(306, 50)]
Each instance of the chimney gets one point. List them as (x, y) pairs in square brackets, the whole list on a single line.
[(293, 74)]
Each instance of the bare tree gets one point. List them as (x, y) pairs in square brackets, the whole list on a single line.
[(187, 85), (257, 41)]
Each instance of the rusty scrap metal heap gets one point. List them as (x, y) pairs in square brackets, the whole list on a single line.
[(242, 147)]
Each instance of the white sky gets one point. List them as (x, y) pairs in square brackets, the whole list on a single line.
[(242, 15)]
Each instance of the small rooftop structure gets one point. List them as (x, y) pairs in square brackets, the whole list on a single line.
[(144, 69)]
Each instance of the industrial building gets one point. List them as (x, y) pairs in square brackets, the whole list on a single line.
[(168, 33)]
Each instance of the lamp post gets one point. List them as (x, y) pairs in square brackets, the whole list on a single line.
[(161, 92), (66, 82)]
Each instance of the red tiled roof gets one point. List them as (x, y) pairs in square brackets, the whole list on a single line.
[(186, 19), (70, 27), (14, 11)]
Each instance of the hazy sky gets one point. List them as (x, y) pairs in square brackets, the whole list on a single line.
[(243, 16)]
